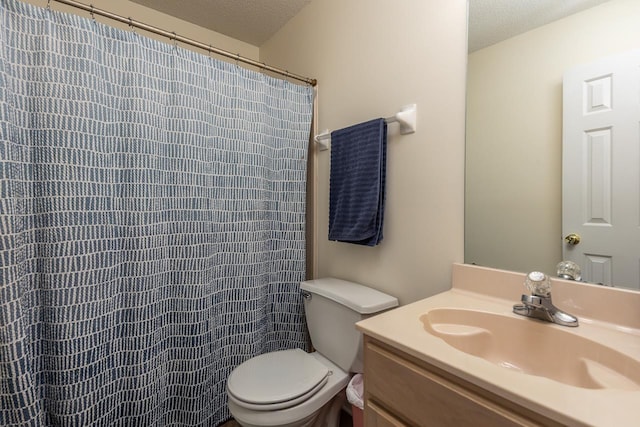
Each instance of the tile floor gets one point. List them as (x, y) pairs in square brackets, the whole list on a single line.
[(345, 421)]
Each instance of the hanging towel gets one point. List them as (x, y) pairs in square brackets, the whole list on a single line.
[(357, 181)]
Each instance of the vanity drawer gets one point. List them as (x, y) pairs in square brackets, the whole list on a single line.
[(409, 390), (375, 416)]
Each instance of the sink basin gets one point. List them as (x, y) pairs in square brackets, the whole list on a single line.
[(535, 348)]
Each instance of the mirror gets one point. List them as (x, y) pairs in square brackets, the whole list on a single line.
[(514, 134)]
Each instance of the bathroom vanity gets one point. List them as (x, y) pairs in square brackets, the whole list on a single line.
[(413, 392), (464, 358)]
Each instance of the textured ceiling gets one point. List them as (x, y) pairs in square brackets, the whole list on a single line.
[(491, 21), (251, 21), (255, 21)]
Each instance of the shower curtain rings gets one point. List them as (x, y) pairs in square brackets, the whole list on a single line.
[(48, 4), (175, 40), (91, 13)]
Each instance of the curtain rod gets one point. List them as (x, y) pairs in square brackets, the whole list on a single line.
[(173, 36)]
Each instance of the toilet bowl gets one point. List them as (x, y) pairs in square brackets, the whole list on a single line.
[(293, 388), (263, 409)]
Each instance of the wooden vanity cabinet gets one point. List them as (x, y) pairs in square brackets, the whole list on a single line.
[(401, 390)]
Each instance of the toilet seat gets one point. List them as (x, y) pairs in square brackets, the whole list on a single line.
[(277, 380), (295, 415)]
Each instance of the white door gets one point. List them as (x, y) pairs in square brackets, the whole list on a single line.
[(601, 169)]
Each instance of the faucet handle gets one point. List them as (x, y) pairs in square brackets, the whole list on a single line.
[(538, 283), (569, 270)]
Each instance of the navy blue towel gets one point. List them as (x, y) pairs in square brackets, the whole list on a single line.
[(357, 181)]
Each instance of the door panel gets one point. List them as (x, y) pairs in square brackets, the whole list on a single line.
[(601, 169)]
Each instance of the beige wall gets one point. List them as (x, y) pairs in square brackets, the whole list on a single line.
[(514, 134), (371, 57), (151, 17)]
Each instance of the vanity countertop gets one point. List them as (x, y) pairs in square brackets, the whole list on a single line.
[(608, 316)]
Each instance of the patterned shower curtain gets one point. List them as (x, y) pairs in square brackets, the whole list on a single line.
[(152, 209)]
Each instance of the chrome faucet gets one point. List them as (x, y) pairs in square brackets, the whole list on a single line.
[(538, 305)]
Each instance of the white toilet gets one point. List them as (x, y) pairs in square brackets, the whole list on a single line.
[(293, 388)]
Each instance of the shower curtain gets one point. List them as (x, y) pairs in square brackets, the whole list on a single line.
[(152, 209)]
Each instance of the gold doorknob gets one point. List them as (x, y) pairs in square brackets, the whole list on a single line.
[(572, 239)]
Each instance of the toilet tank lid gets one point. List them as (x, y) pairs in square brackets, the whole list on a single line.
[(357, 297)]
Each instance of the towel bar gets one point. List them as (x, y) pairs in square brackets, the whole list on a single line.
[(406, 117)]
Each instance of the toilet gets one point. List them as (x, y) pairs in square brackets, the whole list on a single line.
[(293, 388)]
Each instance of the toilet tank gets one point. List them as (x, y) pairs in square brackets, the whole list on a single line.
[(332, 307)]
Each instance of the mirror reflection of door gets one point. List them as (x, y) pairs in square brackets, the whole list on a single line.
[(601, 169)]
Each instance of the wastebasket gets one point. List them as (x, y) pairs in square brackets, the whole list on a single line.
[(355, 396)]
